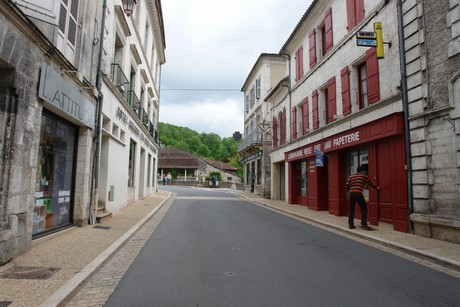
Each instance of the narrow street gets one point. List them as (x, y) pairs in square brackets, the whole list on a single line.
[(214, 249)]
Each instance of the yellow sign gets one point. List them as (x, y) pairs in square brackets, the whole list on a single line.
[(379, 36)]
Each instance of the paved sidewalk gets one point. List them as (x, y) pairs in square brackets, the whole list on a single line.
[(78, 253)]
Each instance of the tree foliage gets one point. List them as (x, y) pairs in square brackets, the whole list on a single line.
[(205, 145)]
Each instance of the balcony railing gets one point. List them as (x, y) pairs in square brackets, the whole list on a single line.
[(119, 78), (252, 139), (143, 116), (133, 100)]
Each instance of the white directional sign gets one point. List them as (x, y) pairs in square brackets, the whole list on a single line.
[(366, 42), (366, 34)]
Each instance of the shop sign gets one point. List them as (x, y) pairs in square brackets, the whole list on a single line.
[(327, 145), (62, 95)]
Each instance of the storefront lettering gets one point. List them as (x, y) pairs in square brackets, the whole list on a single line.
[(134, 129), (62, 95), (346, 139), (308, 151), (327, 145), (122, 116), (295, 154)]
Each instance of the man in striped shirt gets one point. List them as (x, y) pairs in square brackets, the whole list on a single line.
[(355, 185)]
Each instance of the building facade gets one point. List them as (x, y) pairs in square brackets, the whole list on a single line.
[(134, 50), (49, 116), (254, 150), (432, 57), (340, 110)]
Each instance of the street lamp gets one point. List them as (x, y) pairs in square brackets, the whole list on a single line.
[(128, 6)]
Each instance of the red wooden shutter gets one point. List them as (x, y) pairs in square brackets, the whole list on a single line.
[(294, 122), (299, 63), (355, 13), (283, 127), (314, 109), (359, 9), (275, 132), (328, 29), (372, 67), (305, 117), (332, 96), (351, 14), (312, 47), (345, 82)]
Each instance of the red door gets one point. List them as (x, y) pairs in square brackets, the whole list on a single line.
[(391, 177)]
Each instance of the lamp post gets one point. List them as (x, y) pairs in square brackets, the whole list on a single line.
[(128, 6)]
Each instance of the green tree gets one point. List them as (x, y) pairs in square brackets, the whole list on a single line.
[(203, 151)]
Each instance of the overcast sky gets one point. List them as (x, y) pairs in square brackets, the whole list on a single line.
[(212, 45)]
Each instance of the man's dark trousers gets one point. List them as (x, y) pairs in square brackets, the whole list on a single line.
[(357, 198)]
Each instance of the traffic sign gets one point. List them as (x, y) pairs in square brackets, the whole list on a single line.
[(366, 42), (366, 34)]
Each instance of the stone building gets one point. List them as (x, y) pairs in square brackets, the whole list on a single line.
[(47, 119), (336, 108), (254, 150), (50, 119), (432, 57)]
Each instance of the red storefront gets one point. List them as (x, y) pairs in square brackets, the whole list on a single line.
[(318, 171)]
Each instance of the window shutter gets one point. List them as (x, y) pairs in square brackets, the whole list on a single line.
[(275, 132), (328, 30), (312, 47), (314, 109), (351, 18), (345, 82), (299, 64), (332, 95), (294, 122), (257, 88), (283, 127), (372, 67), (359, 9), (305, 117)]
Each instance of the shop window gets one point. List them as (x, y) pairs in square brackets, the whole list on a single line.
[(355, 13), (132, 161), (301, 178), (299, 63), (55, 175), (355, 158)]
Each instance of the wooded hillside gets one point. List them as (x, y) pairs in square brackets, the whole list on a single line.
[(209, 146)]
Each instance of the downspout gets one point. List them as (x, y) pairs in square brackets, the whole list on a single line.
[(96, 139), (289, 92), (405, 103)]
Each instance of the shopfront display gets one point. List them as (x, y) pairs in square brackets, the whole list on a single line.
[(378, 147), (55, 174)]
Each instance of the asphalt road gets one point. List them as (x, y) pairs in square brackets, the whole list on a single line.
[(214, 249)]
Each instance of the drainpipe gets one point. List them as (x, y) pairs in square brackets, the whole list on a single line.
[(289, 91), (405, 102), (96, 138)]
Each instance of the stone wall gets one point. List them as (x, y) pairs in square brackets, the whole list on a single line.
[(433, 62), (20, 62)]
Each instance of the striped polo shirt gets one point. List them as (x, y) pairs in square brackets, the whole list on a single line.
[(356, 183)]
